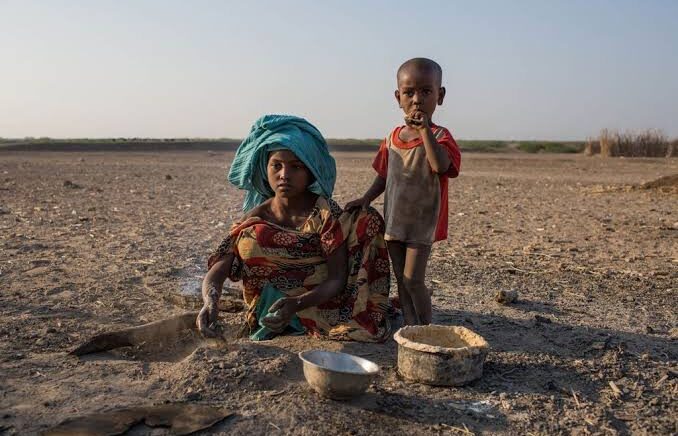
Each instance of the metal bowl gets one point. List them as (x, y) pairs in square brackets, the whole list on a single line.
[(338, 376)]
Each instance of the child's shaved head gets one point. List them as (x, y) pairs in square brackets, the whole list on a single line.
[(421, 64)]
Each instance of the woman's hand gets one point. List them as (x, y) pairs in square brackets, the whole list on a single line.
[(211, 292), (282, 311), (207, 319), (280, 314)]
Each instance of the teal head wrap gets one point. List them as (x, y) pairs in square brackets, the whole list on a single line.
[(281, 132)]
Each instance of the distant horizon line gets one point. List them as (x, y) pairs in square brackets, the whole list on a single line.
[(4, 139)]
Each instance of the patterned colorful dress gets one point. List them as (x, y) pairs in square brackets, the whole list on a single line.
[(294, 261)]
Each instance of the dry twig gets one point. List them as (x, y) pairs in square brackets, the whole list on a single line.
[(615, 390), (576, 400), (661, 380)]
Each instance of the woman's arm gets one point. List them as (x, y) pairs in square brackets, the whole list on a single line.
[(286, 308), (337, 272), (211, 292)]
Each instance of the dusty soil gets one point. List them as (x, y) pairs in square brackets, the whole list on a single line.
[(98, 241)]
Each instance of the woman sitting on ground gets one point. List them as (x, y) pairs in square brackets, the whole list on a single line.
[(306, 266)]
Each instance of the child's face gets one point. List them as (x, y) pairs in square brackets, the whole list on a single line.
[(419, 90), (287, 175)]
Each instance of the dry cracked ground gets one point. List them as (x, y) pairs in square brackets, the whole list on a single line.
[(92, 242)]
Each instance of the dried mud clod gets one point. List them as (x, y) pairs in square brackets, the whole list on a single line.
[(150, 332), (667, 182), (180, 419)]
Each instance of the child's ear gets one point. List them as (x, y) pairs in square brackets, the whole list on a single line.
[(397, 96), (441, 95)]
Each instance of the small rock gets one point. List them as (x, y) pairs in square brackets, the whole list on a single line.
[(674, 332), (168, 177), (598, 345), (506, 296), (551, 385), (70, 185), (193, 396), (542, 319), (4, 210)]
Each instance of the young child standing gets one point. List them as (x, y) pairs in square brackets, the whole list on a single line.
[(413, 165)]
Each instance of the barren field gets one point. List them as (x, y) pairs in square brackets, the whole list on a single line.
[(91, 242)]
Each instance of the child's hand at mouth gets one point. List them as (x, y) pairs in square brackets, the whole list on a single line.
[(417, 120)]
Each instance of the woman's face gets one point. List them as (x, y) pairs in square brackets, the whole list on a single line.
[(287, 175)]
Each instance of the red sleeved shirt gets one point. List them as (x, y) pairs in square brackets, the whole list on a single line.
[(393, 147)]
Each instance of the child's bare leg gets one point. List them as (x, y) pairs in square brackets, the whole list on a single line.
[(414, 273), (397, 251)]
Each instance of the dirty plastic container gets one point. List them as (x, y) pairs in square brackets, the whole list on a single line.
[(440, 355)]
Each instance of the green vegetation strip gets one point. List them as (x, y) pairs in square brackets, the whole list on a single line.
[(487, 146)]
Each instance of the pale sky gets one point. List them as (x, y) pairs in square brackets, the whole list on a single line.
[(512, 69)]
